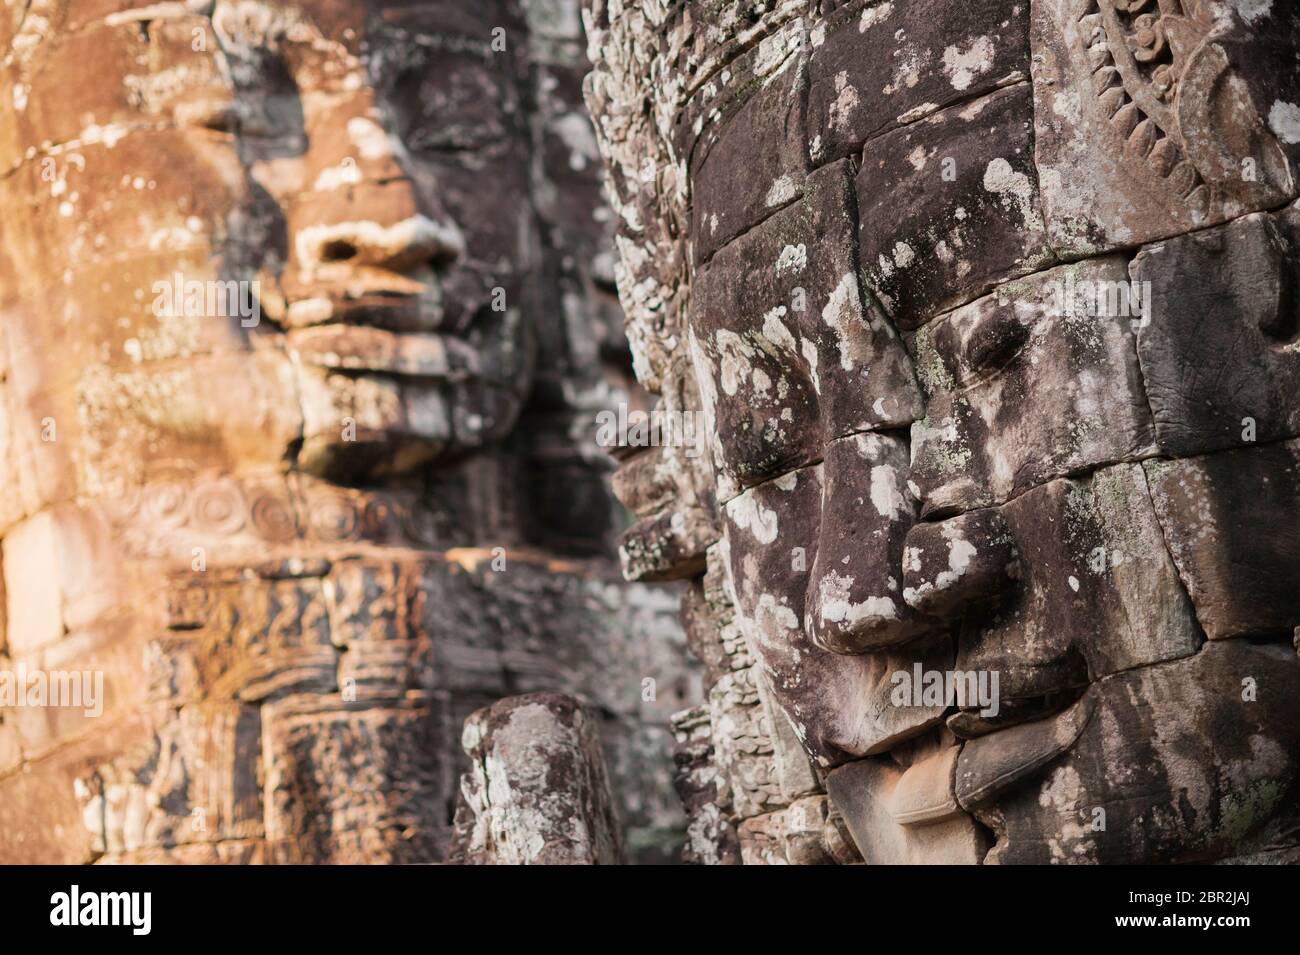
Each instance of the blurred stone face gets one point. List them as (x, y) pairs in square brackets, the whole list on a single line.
[(268, 297), (249, 243), (392, 166), (978, 401)]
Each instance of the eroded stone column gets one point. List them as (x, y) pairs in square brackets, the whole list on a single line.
[(536, 792)]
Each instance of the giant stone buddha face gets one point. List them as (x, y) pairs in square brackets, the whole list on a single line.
[(315, 251), (996, 335), (268, 295)]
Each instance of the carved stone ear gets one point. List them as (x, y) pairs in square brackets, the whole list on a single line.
[(993, 764), (1209, 89)]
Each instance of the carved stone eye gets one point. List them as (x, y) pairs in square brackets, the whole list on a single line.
[(993, 342)]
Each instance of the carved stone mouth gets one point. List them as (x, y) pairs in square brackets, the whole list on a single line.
[(355, 295), (395, 313), (364, 348)]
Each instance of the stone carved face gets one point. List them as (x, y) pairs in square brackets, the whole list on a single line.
[(265, 516), (400, 231), (316, 252), (930, 451)]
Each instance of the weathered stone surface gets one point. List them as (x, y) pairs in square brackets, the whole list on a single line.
[(879, 65), (1098, 474), (194, 782), (867, 793), (925, 793), (537, 792), (789, 351), (753, 115), (1232, 524), (1155, 120), (959, 564), (990, 765), (795, 774), (710, 835), (949, 206), (840, 705), (1098, 592), (1180, 762), (1218, 351), (150, 61), (669, 488), (1020, 390), (666, 546), (807, 832), (306, 316), (855, 597)]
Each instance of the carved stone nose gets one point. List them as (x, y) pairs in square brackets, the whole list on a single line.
[(396, 245), (952, 565)]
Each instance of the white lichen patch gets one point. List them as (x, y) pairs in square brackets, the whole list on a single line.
[(917, 112), (574, 130), (734, 359), (793, 258), (886, 495), (774, 330), (370, 139), (1014, 189), (904, 255), (963, 66), (1284, 120), (842, 315), (781, 192), (846, 101), (874, 15), (749, 515), (835, 606), (1253, 10), (808, 349)]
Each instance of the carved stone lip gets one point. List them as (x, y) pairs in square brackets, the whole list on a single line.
[(394, 311), (364, 348), (356, 295)]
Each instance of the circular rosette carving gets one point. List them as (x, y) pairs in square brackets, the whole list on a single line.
[(420, 525), (273, 517), (166, 504), (333, 517), (379, 520), (218, 507)]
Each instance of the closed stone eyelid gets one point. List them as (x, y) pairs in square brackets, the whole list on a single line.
[(991, 345)]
